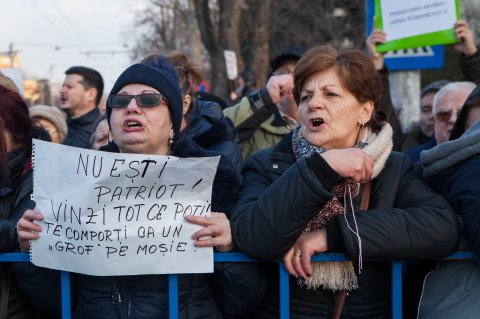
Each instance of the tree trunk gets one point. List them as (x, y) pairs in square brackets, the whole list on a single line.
[(260, 61), (194, 41), (216, 42)]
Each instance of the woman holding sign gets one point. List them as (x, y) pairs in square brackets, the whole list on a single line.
[(15, 189), (203, 121), (333, 185), (144, 110)]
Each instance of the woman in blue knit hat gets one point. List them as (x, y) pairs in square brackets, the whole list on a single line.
[(144, 111)]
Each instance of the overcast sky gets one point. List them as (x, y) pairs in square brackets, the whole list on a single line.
[(52, 35)]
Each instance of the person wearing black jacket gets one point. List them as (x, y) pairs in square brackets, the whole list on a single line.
[(453, 169), (202, 121), (305, 194), (80, 95), (144, 111), (15, 189)]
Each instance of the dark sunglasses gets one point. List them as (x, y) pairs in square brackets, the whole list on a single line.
[(444, 116), (143, 100)]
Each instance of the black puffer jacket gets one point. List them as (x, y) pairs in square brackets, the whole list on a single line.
[(15, 193), (406, 220), (147, 296), (80, 129), (214, 132)]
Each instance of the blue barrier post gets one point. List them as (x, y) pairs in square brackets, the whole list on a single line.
[(396, 290), (284, 293), (66, 300), (173, 296)]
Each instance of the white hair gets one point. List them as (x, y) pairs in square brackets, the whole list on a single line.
[(453, 86)]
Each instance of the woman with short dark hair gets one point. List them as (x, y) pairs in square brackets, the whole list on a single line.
[(306, 194)]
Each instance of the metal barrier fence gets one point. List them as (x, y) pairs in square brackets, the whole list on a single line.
[(238, 257)]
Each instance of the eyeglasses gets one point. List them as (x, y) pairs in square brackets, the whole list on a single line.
[(143, 100), (444, 116)]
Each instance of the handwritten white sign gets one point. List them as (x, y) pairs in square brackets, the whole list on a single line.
[(231, 64), (407, 18), (109, 214)]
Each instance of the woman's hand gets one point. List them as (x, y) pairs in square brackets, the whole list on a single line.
[(27, 230), (351, 163), (465, 36), (216, 233), (298, 258)]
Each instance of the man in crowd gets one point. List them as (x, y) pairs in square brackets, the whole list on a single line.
[(264, 117), (420, 132), (80, 94), (447, 103)]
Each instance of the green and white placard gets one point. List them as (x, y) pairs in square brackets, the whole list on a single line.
[(416, 23)]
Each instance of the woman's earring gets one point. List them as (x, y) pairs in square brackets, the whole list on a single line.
[(172, 136)]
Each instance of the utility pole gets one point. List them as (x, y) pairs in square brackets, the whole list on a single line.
[(11, 54)]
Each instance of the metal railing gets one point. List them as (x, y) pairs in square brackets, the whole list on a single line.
[(238, 257)]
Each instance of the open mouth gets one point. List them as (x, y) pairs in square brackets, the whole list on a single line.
[(132, 124), (316, 122)]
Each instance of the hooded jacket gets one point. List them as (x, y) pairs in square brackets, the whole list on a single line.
[(453, 169)]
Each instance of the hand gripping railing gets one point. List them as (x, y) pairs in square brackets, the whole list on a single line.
[(238, 257)]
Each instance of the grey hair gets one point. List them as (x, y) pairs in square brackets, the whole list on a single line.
[(453, 86)]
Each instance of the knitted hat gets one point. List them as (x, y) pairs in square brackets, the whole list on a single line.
[(53, 115), (290, 53), (8, 83), (163, 78)]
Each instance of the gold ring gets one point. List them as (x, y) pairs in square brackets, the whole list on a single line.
[(298, 254), (18, 227)]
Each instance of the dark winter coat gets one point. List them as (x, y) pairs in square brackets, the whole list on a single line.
[(471, 67), (15, 199), (80, 129), (406, 219), (414, 152), (214, 132), (147, 296)]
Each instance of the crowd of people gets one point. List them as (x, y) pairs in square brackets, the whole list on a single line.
[(310, 163)]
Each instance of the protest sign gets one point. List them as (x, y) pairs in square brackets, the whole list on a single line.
[(231, 64), (120, 214), (416, 23)]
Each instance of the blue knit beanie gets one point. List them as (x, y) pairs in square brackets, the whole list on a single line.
[(163, 78)]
